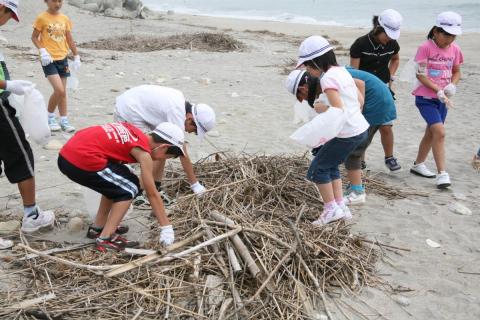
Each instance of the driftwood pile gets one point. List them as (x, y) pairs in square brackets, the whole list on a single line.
[(245, 250)]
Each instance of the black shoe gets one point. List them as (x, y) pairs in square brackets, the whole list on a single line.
[(93, 233)]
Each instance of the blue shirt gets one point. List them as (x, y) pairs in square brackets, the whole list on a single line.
[(379, 106)]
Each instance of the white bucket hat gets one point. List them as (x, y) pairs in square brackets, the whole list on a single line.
[(312, 47), (293, 80), (171, 133), (204, 118), (450, 21), (12, 5), (391, 21)]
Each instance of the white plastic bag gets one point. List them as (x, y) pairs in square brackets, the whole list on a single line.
[(17, 103), (323, 128), (303, 112), (409, 73), (34, 117), (72, 81), (92, 202)]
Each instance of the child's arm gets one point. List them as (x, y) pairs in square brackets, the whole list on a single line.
[(393, 66), (456, 74), (71, 43), (45, 57), (361, 91), (334, 98), (36, 38), (355, 62)]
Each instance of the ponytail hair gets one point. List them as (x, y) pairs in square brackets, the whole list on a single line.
[(375, 21)]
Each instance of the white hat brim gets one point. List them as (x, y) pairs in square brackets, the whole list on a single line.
[(392, 34), (455, 30)]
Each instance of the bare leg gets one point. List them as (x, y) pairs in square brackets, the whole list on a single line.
[(118, 211), (425, 146), (58, 94), (62, 103), (355, 176), (386, 134), (326, 191), (337, 188), (27, 191), (438, 145), (103, 211)]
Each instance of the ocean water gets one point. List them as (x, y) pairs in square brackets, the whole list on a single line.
[(418, 15)]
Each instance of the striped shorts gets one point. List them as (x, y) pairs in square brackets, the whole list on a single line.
[(16, 156), (116, 181)]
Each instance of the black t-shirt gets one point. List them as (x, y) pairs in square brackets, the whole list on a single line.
[(374, 57)]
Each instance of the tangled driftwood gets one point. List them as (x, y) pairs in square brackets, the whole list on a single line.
[(245, 250)]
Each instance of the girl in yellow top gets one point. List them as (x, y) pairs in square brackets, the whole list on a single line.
[(52, 36)]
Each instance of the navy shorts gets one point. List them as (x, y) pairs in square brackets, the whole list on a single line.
[(116, 181), (431, 109), (16, 156), (324, 167), (59, 67)]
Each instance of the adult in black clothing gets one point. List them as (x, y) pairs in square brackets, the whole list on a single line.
[(377, 53)]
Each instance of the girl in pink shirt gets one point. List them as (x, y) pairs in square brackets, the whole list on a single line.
[(439, 60)]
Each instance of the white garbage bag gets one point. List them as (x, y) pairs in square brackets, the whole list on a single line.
[(17, 103), (72, 81), (34, 117), (321, 129), (92, 201), (303, 112), (409, 73)]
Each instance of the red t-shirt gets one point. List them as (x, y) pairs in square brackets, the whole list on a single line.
[(92, 148)]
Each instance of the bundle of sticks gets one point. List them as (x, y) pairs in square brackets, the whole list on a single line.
[(245, 250)]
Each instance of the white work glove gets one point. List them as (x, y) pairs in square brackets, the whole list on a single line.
[(197, 188), (76, 63), (443, 98), (450, 90), (19, 87), (45, 57), (167, 236)]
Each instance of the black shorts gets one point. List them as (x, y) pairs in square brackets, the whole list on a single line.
[(354, 159), (59, 67), (116, 181), (16, 156)]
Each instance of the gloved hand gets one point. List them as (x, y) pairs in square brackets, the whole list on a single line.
[(76, 63), (45, 57), (443, 98), (19, 87), (197, 188), (167, 236), (450, 90)]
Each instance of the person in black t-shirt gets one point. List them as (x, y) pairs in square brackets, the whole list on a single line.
[(377, 53)]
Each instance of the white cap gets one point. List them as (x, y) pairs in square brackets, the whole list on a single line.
[(171, 133), (450, 21), (312, 47), (293, 80), (204, 118), (391, 21), (12, 5)]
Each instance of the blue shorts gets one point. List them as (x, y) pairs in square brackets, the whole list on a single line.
[(59, 67), (324, 167), (431, 109)]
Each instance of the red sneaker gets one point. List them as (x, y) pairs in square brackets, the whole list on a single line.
[(105, 245)]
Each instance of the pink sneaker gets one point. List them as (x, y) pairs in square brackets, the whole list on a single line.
[(328, 216)]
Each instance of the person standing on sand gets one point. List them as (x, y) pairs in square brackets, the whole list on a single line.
[(94, 157), (317, 55), (438, 59), (16, 156), (378, 52), (53, 38), (146, 106), (378, 108), (476, 160)]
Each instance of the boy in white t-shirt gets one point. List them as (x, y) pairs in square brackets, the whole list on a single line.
[(338, 85), (147, 106)]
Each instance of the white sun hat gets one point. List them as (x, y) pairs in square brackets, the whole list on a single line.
[(12, 5), (450, 21), (171, 133), (312, 47), (204, 118), (293, 80), (391, 21)]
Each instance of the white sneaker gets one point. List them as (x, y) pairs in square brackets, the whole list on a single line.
[(66, 126), (328, 216), (37, 219), (443, 180), (5, 244), (53, 124), (355, 198), (420, 169), (346, 211)]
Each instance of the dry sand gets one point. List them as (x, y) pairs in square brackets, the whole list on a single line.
[(255, 115)]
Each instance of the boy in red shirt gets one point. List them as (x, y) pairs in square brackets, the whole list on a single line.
[(94, 157)]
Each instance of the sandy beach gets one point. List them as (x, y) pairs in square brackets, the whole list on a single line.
[(255, 115)]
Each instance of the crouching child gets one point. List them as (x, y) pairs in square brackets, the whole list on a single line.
[(95, 157)]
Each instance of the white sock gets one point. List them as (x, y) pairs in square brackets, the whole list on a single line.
[(51, 114), (63, 118), (28, 210)]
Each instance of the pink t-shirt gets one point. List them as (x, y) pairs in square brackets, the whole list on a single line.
[(438, 64)]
